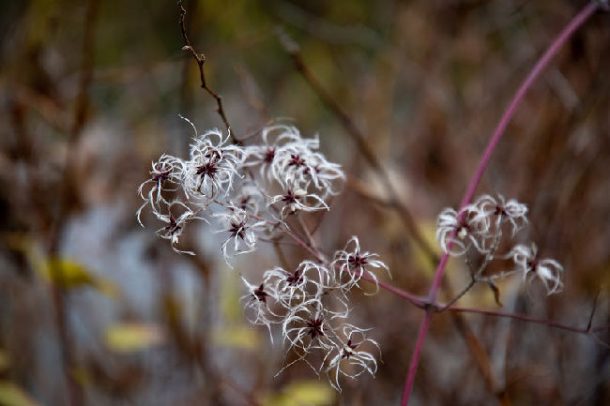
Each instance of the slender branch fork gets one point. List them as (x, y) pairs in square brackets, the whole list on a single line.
[(201, 59), (586, 12)]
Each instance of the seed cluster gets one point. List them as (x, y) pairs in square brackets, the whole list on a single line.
[(251, 192)]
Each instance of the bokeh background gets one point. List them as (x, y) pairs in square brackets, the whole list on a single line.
[(90, 93)]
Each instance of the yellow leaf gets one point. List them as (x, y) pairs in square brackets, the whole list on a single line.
[(81, 375), (131, 337), (72, 274), (69, 273), (302, 393), (5, 361), (13, 395), (240, 337), (422, 261)]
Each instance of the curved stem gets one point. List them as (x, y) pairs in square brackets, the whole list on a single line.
[(460, 295), (499, 131)]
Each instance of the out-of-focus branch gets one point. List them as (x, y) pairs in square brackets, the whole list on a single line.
[(67, 192), (479, 355), (593, 309), (360, 140), (201, 60), (50, 112)]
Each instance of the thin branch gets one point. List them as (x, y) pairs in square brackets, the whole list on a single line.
[(417, 301), (593, 309), (360, 140), (201, 59), (472, 282), (66, 192), (422, 303), (521, 317), (360, 188), (478, 353)]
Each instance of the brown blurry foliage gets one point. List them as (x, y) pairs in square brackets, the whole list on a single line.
[(86, 106)]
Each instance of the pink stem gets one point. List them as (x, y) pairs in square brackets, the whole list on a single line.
[(521, 317), (422, 303), (418, 301), (555, 46)]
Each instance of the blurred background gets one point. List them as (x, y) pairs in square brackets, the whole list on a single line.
[(90, 93)]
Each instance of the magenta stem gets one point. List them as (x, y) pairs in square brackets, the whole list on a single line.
[(557, 44), (499, 131), (522, 317), (419, 301)]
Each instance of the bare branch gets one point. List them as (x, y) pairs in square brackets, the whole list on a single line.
[(360, 140), (67, 190), (201, 60), (593, 309)]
